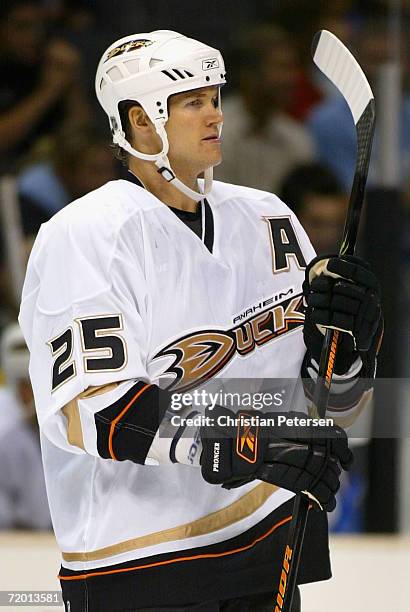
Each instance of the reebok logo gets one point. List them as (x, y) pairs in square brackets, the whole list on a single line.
[(208, 64), (247, 439), (217, 448)]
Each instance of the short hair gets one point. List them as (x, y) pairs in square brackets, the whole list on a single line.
[(307, 179)]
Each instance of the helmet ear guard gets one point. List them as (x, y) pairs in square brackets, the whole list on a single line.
[(118, 138), (149, 68)]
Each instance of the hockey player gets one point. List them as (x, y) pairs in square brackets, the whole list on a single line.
[(161, 284)]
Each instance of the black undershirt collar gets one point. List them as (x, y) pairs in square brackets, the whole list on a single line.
[(193, 220)]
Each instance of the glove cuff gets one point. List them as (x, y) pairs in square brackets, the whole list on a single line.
[(346, 354)]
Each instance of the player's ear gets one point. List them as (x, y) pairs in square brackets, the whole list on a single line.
[(144, 136), (138, 118)]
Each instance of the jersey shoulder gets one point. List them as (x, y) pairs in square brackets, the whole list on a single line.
[(254, 205), (254, 200), (81, 242), (94, 221), (107, 207)]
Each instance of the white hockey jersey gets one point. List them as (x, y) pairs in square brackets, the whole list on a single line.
[(118, 288)]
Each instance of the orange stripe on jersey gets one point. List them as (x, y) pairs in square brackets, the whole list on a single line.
[(179, 559), (115, 421)]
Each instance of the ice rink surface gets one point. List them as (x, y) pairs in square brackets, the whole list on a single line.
[(371, 573)]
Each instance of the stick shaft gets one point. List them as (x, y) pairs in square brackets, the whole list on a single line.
[(365, 131)]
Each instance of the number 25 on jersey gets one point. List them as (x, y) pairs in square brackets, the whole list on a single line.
[(103, 350)]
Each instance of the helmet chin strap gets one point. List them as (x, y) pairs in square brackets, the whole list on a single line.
[(162, 162), (167, 173)]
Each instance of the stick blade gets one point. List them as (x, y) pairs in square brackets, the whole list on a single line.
[(338, 64)]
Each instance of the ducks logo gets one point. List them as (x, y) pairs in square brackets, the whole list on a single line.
[(132, 45), (200, 355)]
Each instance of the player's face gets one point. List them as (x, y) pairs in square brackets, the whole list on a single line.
[(193, 130)]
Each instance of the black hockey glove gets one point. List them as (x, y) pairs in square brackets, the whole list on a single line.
[(289, 456), (343, 293)]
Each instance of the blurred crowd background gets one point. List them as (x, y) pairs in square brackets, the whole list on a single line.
[(286, 130)]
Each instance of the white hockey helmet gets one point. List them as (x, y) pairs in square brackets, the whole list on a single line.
[(14, 354), (148, 68)]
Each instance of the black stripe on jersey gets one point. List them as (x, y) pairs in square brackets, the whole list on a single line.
[(248, 563), (209, 227), (126, 428), (193, 220)]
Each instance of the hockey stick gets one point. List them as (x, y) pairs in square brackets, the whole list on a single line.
[(339, 65)]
